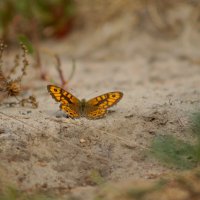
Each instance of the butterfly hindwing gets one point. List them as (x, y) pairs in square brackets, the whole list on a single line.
[(95, 114), (71, 111)]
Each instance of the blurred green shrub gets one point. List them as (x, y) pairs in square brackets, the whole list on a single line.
[(176, 152), (36, 18), (11, 193)]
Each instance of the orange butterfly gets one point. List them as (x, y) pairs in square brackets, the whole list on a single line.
[(94, 108)]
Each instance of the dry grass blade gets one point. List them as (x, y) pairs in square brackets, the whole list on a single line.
[(60, 72), (64, 81)]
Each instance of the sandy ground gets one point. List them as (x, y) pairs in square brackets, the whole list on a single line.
[(160, 81)]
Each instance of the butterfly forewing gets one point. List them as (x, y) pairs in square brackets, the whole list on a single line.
[(69, 103), (62, 96), (105, 101)]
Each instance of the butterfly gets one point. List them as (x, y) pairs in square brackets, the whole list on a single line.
[(94, 108)]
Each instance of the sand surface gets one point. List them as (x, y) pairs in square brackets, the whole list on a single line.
[(160, 81)]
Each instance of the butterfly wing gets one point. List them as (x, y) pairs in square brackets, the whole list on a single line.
[(95, 113), (71, 111), (69, 103), (97, 107)]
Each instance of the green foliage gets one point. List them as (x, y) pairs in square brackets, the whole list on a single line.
[(36, 18), (23, 39), (11, 193), (96, 177), (170, 150), (176, 152), (195, 125), (139, 193)]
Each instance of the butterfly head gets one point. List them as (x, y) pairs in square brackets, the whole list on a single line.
[(83, 102)]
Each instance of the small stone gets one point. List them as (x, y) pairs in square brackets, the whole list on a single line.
[(82, 140)]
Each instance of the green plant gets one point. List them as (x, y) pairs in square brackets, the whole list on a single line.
[(176, 152), (10, 193), (39, 18), (139, 193)]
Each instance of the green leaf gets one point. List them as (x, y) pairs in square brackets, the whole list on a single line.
[(176, 152), (25, 41), (195, 125)]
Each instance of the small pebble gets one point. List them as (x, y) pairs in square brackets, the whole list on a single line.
[(82, 140)]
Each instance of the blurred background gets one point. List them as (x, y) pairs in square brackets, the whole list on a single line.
[(87, 27), (149, 49)]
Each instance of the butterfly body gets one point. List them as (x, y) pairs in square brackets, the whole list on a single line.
[(92, 109), (82, 107)]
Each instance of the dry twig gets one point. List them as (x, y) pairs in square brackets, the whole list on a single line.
[(9, 87)]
